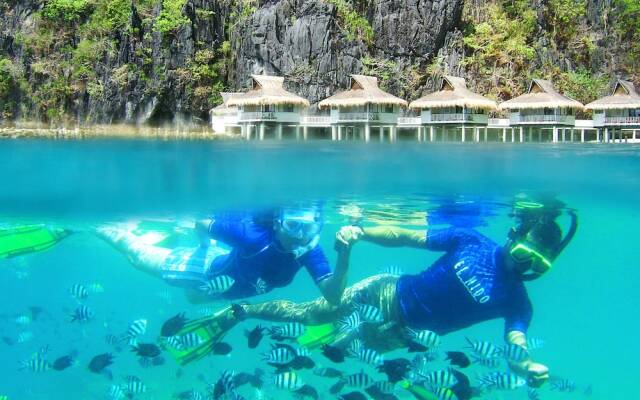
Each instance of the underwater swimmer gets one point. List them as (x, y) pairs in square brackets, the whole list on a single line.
[(475, 280), (258, 252)]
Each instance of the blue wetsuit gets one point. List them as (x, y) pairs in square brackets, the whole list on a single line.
[(465, 286), (255, 254)]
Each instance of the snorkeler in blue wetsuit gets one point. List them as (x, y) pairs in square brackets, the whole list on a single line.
[(474, 280), (254, 252)]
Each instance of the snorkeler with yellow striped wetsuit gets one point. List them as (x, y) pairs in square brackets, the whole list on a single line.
[(475, 280)]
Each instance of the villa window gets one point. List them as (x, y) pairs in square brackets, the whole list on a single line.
[(287, 108), (388, 108)]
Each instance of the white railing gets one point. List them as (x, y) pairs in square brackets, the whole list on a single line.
[(503, 122), (542, 118), (622, 120), (315, 119), (409, 120), (361, 116), (258, 116)]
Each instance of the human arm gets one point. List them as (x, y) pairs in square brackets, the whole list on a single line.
[(388, 236), (234, 229), (331, 284), (517, 319)]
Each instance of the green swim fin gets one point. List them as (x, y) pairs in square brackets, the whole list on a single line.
[(210, 330), (25, 239), (318, 335)]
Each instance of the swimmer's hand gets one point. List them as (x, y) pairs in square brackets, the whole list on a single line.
[(202, 230), (348, 235), (536, 374)]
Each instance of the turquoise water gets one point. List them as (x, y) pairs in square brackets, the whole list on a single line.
[(585, 309)]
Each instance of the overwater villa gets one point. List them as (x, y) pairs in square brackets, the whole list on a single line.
[(223, 117), (453, 112), (361, 109), (617, 115), (542, 114), (268, 108)]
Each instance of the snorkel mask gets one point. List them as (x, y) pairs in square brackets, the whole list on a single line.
[(523, 250), (302, 226)]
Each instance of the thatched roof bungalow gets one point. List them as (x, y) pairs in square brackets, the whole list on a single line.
[(224, 115), (454, 103), (622, 108), (541, 105)]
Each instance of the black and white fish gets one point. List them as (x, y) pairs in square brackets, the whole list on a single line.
[(112, 339), (302, 351), (291, 330), (116, 392), (288, 380), (36, 364), (327, 372), (427, 338), (24, 337), (134, 386), (358, 380), (82, 314), (385, 386), (354, 346), (534, 343), (369, 313), (563, 385), (502, 381), (224, 384), (137, 328), (440, 378), (78, 292), (486, 362), (444, 393), (190, 340), (370, 357), (392, 270), (174, 342), (484, 349), (23, 320), (532, 394), (218, 284), (351, 322), (514, 353), (279, 356)]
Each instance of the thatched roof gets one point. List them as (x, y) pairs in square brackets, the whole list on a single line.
[(624, 96), (453, 93), (267, 90), (541, 94), (364, 90), (224, 108)]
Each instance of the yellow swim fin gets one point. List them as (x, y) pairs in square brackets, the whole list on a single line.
[(419, 392), (25, 239), (206, 332), (318, 335)]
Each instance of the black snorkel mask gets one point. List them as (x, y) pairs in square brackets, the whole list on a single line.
[(523, 251)]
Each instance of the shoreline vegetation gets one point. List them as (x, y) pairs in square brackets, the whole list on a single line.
[(117, 131)]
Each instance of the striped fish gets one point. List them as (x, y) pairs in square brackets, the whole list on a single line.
[(291, 330), (195, 395), (426, 338), (354, 347), (261, 286), (226, 381), (82, 314), (534, 343), (369, 313), (134, 386), (443, 393), (483, 349), (78, 292), (137, 328), (358, 380), (392, 270), (24, 337), (514, 353), (384, 386), (502, 381), (440, 378), (174, 342), (302, 352), (190, 340), (485, 362), (532, 394), (218, 284), (288, 381), (279, 355), (112, 339), (95, 288), (563, 385), (116, 392), (370, 356), (36, 364), (23, 320), (350, 323)]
